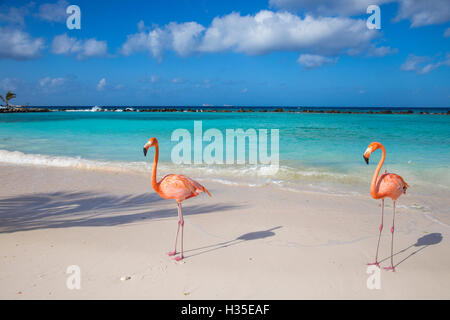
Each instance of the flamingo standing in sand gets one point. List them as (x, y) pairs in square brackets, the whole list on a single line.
[(174, 186), (388, 185)]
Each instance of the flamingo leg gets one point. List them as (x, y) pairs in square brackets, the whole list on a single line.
[(180, 222), (392, 243), (174, 252), (379, 236)]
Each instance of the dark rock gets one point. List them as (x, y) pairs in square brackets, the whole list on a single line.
[(23, 110)]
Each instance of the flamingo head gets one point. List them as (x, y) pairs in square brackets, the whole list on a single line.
[(151, 142), (371, 148)]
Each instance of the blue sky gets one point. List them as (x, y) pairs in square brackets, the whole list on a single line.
[(185, 52)]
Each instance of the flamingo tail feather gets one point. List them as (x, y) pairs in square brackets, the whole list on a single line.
[(204, 190)]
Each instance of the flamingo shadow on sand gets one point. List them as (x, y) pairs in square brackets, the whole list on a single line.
[(243, 238), (421, 243), (88, 209)]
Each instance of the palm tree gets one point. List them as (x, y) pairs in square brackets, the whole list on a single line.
[(9, 95)]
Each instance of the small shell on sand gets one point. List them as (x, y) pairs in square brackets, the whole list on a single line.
[(125, 278)]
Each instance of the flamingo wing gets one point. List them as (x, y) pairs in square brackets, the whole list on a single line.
[(179, 187), (391, 185)]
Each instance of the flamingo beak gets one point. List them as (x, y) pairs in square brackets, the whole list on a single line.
[(145, 152), (366, 158)]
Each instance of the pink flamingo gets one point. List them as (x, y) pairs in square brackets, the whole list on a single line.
[(388, 185), (174, 186)]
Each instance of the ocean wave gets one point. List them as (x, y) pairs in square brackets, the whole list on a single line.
[(20, 158), (254, 174), (286, 177)]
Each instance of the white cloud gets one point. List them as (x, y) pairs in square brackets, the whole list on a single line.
[(245, 90), (381, 51), (412, 62), (53, 12), (94, 48), (101, 84), (180, 37), (63, 44), (269, 31), (18, 45), (422, 65), (16, 15), (143, 41), (51, 82), (419, 12), (262, 33), (311, 61), (447, 33), (423, 13), (327, 7)]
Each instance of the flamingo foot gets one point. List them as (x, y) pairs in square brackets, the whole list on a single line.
[(389, 268), (171, 253), (179, 258), (374, 264)]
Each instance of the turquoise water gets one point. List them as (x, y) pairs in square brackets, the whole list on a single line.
[(317, 150)]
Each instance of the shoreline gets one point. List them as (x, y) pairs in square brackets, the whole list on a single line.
[(222, 110), (429, 199), (243, 243)]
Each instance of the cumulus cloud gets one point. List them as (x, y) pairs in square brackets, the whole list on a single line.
[(262, 33), (447, 33), (49, 84), (419, 12), (101, 84), (327, 7), (311, 61), (15, 15), (180, 37), (269, 31), (19, 45), (423, 13), (424, 65), (83, 49), (53, 12)]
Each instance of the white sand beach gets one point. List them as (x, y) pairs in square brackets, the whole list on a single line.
[(243, 243)]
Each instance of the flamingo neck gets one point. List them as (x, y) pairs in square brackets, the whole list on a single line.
[(373, 188), (155, 184)]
